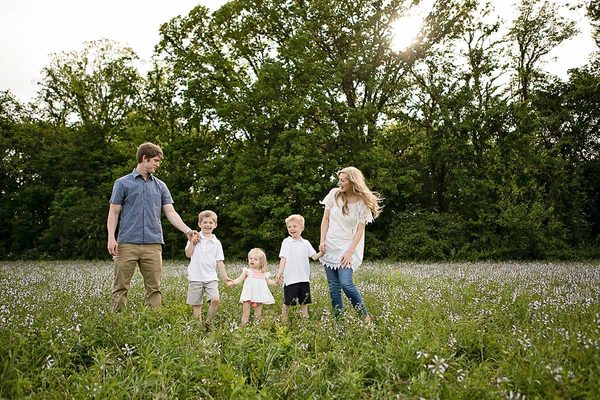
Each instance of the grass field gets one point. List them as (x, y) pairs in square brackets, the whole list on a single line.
[(448, 331)]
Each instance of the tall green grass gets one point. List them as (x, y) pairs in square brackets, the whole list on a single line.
[(448, 331)]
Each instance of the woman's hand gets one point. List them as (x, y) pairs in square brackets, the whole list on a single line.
[(322, 247), (346, 261)]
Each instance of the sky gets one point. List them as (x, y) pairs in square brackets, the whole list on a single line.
[(32, 30)]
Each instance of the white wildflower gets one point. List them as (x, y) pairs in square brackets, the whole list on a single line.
[(452, 341), (49, 362), (128, 350), (438, 366), (515, 396)]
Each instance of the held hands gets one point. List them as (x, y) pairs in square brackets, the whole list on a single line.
[(193, 236), (278, 279), (229, 283), (322, 247), (318, 255), (271, 282)]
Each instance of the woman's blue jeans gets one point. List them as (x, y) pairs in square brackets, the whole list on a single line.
[(341, 279)]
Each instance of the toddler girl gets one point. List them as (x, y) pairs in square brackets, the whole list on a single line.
[(255, 291)]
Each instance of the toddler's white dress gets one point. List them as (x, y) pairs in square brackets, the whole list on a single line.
[(255, 287)]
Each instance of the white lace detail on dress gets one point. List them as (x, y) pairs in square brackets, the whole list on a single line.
[(332, 262), (365, 215), (329, 200)]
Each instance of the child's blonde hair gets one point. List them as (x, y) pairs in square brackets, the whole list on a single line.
[(207, 214), (261, 256), (371, 199), (295, 217)]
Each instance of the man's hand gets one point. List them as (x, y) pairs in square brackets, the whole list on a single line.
[(113, 247), (193, 236)]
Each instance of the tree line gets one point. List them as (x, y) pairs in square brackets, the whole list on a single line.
[(479, 153)]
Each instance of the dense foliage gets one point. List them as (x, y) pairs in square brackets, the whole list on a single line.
[(479, 153)]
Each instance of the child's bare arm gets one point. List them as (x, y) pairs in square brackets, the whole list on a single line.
[(223, 271), (237, 280), (318, 255), (189, 249), (280, 270)]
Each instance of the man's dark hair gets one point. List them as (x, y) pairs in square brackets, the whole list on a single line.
[(148, 150)]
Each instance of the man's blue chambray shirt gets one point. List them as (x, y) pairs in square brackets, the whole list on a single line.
[(141, 204)]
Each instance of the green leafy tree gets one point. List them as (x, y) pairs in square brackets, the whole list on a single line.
[(294, 91), (594, 14), (83, 108), (258, 104), (96, 86), (29, 181), (569, 149), (537, 30), (11, 166), (459, 111)]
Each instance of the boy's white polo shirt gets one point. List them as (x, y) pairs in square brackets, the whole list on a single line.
[(203, 264), (296, 254)]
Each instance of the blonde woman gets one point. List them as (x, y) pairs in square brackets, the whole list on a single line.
[(348, 209)]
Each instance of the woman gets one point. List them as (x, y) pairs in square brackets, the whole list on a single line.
[(348, 208)]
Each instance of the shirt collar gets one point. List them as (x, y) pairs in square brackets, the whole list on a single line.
[(213, 239), (136, 173), (291, 239)]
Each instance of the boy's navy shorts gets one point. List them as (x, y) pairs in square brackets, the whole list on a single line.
[(296, 293)]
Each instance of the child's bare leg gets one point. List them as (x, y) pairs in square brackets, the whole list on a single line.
[(285, 309), (212, 309), (258, 313), (245, 312), (304, 310), (197, 312)]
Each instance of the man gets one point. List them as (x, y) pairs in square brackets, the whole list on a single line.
[(138, 198)]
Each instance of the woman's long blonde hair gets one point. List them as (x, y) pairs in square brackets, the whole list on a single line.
[(371, 199), (261, 256)]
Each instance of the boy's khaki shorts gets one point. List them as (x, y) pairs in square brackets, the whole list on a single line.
[(196, 290)]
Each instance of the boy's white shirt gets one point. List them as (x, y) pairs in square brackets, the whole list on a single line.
[(203, 263), (296, 254)]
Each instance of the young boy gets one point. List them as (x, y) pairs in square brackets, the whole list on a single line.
[(206, 257), (294, 266)]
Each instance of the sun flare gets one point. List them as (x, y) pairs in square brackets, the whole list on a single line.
[(405, 31)]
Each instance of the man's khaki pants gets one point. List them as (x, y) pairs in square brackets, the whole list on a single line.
[(148, 257)]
